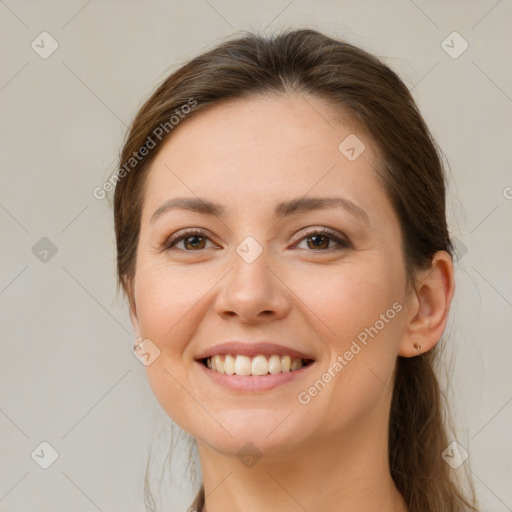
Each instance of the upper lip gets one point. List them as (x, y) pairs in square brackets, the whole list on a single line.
[(265, 348)]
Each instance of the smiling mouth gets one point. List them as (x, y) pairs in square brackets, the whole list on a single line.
[(259, 365)]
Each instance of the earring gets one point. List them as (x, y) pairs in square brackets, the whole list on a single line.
[(417, 346)]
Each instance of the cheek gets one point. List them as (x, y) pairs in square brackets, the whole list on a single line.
[(351, 298), (360, 310), (166, 298), (168, 301)]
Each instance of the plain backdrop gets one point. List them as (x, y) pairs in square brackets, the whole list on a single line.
[(68, 374)]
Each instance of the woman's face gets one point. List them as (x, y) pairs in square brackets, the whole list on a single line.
[(257, 273)]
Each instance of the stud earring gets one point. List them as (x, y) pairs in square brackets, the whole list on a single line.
[(417, 346)]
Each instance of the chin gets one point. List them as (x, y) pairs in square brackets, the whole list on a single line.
[(262, 431)]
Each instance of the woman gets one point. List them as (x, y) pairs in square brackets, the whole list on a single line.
[(282, 241)]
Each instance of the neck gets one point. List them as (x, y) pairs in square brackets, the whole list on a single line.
[(340, 471)]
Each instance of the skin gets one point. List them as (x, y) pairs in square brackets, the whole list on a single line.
[(249, 155)]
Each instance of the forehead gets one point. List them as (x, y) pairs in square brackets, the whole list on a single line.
[(256, 149), (291, 125)]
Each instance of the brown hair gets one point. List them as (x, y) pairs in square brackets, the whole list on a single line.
[(410, 167)]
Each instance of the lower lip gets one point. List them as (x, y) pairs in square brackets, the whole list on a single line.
[(253, 383)]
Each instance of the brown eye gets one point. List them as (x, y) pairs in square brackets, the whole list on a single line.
[(192, 241), (320, 240)]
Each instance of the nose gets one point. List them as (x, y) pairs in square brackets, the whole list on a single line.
[(254, 292)]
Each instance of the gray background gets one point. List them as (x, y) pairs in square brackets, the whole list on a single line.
[(68, 375)]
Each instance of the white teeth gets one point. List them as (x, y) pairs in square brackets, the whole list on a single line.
[(243, 365), (274, 364), (258, 365), (229, 365), (219, 364)]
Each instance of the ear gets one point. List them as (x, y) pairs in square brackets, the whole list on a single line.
[(429, 306)]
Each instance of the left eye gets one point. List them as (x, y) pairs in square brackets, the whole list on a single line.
[(320, 239)]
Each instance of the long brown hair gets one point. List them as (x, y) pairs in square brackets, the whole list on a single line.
[(410, 166)]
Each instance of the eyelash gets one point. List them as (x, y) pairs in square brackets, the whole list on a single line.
[(170, 243)]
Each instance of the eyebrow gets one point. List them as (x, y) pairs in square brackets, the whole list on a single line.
[(283, 209)]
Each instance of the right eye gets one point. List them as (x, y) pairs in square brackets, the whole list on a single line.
[(194, 241)]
